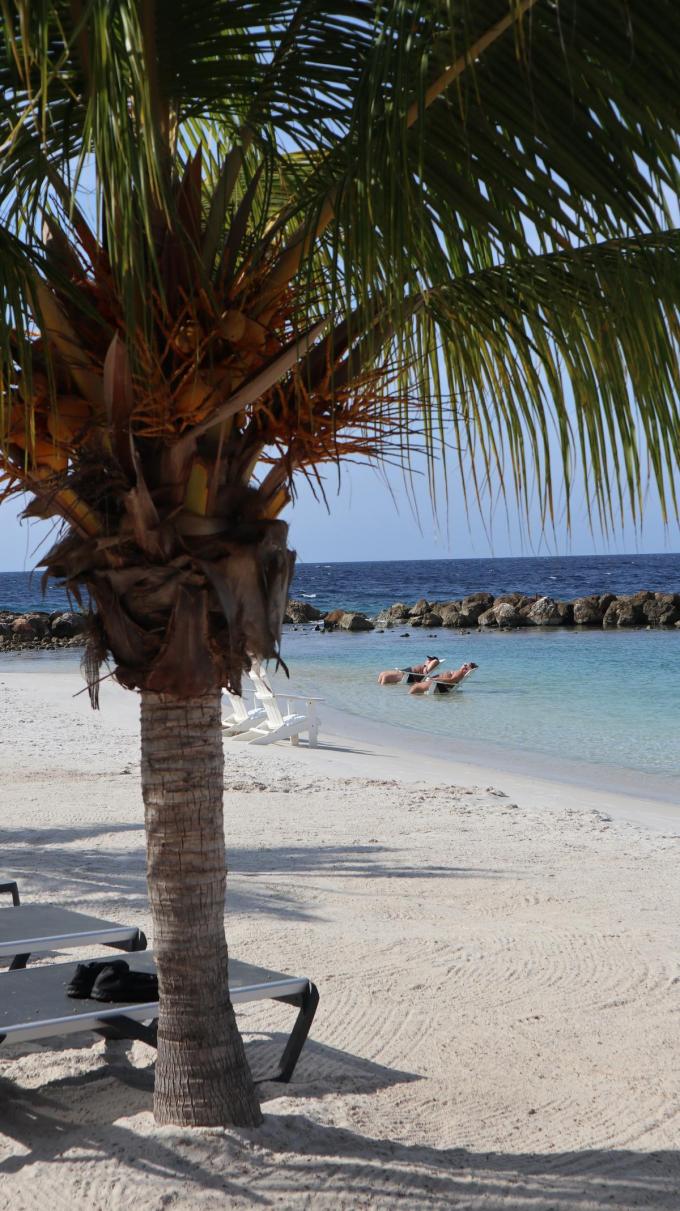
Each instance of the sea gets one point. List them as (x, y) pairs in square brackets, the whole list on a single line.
[(603, 703)]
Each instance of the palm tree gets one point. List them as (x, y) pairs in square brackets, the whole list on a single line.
[(245, 238)]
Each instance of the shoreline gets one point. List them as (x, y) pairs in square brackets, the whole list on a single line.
[(637, 797), (354, 744)]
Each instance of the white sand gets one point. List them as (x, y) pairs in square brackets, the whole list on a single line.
[(499, 977)]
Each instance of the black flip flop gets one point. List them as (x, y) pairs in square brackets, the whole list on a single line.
[(134, 987), (85, 975)]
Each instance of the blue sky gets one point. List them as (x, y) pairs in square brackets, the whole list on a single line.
[(366, 522), (369, 520)]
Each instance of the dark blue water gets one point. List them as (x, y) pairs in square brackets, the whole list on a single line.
[(22, 592), (370, 586)]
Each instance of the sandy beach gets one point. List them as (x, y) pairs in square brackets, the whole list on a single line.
[(498, 959)]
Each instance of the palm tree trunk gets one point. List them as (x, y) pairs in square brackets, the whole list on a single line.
[(202, 1075)]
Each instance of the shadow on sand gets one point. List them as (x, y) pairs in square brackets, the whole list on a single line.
[(86, 1118), (269, 881)]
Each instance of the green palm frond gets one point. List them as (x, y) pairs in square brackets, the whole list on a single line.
[(576, 350), (355, 155)]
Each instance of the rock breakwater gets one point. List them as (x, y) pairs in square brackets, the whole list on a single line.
[(646, 609), (507, 612), (41, 630)]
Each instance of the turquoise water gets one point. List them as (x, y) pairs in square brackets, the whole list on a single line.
[(605, 699), (609, 698)]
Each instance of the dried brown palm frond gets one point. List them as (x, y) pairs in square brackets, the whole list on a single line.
[(146, 440)]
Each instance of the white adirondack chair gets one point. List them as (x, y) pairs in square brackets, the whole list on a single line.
[(278, 724), (238, 717)]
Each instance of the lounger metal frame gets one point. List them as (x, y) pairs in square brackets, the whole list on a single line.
[(132, 1021), (305, 999), (140, 1021), (67, 929)]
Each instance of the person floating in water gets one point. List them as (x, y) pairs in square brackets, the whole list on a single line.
[(443, 683), (412, 674)]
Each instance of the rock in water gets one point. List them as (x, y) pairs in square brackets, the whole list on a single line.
[(23, 631), (588, 611), (431, 620), (66, 626), (507, 616), (472, 608), (624, 612), (451, 616), (332, 619), (302, 611), (421, 607), (40, 623), (395, 615), (355, 622), (504, 615), (545, 613), (663, 610)]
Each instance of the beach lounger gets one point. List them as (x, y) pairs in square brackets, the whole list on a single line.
[(238, 717), (278, 724), (10, 887), (444, 687), (36, 928), (34, 1005)]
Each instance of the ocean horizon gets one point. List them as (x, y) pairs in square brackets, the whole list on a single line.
[(370, 585)]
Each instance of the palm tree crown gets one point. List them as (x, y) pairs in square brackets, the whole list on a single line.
[(321, 229)]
